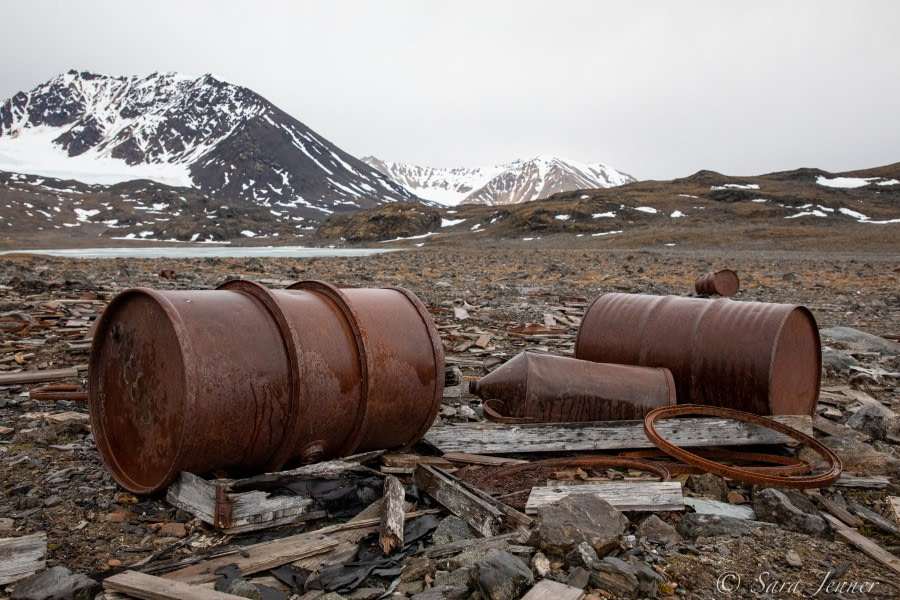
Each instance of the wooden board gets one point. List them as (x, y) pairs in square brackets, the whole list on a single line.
[(481, 516), (249, 510), (21, 556), (875, 482), (546, 589), (631, 495), (895, 507), (150, 587), (855, 538), (497, 438), (481, 459), (37, 376)]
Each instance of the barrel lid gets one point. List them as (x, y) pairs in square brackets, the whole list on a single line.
[(795, 369), (140, 401)]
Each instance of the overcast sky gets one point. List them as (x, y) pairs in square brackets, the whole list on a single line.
[(657, 89)]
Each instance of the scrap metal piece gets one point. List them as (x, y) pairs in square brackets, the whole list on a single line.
[(535, 387), (758, 357), (784, 465), (826, 478), (59, 391), (722, 283), (244, 379)]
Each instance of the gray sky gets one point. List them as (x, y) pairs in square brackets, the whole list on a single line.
[(659, 89)]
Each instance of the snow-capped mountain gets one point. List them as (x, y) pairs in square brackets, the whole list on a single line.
[(199, 132), (513, 183)]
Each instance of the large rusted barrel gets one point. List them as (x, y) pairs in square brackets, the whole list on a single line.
[(723, 283), (548, 388), (753, 356), (246, 379)]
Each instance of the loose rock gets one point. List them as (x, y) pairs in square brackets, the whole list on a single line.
[(502, 576), (580, 518), (56, 583), (615, 576), (773, 506)]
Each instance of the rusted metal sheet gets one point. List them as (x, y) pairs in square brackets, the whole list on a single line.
[(245, 379), (547, 388), (758, 357), (722, 283)]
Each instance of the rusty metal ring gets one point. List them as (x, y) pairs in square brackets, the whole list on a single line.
[(787, 465), (802, 482), (59, 391), (579, 461)]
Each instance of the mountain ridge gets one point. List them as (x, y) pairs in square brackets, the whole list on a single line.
[(522, 180)]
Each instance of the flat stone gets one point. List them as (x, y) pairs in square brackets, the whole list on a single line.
[(451, 529), (793, 559), (648, 579), (735, 497), (444, 592), (656, 530), (837, 361), (580, 518), (861, 339), (172, 529), (244, 589), (858, 457), (56, 583), (417, 568), (408, 588), (470, 558), (456, 578), (616, 577), (579, 577), (6, 525), (773, 506), (502, 576), (709, 485), (696, 525), (118, 517)]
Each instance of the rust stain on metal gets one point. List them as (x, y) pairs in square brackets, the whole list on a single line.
[(59, 391), (224, 507), (758, 357), (722, 283), (828, 476), (246, 379), (547, 388)]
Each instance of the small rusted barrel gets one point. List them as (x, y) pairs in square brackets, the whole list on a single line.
[(245, 379), (722, 283), (547, 388), (753, 356)]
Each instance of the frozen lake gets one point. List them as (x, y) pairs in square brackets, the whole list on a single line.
[(203, 252)]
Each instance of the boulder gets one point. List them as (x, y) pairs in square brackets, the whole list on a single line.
[(580, 518), (502, 576), (56, 583), (775, 507)]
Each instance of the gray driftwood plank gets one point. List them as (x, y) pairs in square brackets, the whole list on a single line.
[(21, 556), (624, 495), (496, 438)]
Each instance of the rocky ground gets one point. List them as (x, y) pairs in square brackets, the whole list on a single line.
[(53, 480)]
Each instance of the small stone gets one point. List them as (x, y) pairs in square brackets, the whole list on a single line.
[(6, 525), (456, 578), (656, 530), (467, 413), (875, 421), (451, 529), (580, 518), (793, 559), (648, 579), (114, 562), (118, 517), (244, 589), (540, 565), (56, 582), (723, 550), (172, 529), (773, 506), (583, 555), (837, 361), (502, 576), (735, 497), (52, 501), (417, 568), (579, 578), (709, 485), (696, 525), (615, 576), (408, 588)]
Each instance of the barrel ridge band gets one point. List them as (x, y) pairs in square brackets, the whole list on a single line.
[(740, 474), (291, 341)]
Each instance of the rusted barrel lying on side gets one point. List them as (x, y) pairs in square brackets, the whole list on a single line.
[(722, 283), (246, 379), (752, 356), (547, 388)]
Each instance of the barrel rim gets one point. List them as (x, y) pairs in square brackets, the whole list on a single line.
[(188, 401), (291, 342)]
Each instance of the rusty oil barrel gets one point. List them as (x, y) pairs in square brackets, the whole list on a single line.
[(246, 379), (757, 357), (722, 283), (557, 389)]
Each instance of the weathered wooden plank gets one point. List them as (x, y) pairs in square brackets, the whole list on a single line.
[(257, 558), (249, 510), (875, 482), (834, 509), (150, 587), (895, 507), (21, 556), (875, 519), (497, 438), (37, 376), (390, 536), (831, 428), (480, 515), (630, 495), (481, 459), (411, 460), (855, 538), (546, 589)]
